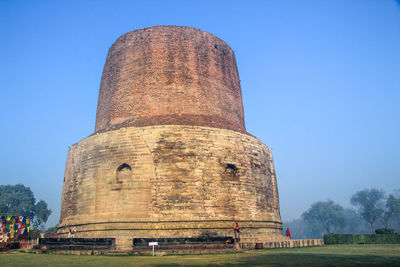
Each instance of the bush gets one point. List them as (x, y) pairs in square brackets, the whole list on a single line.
[(331, 239), (384, 231), (35, 233)]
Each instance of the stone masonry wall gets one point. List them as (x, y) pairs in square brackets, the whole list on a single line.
[(184, 180)]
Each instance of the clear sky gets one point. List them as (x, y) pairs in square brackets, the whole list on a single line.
[(320, 82)]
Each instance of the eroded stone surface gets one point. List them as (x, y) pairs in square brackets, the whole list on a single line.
[(174, 180)]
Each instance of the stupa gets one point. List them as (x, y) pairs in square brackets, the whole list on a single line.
[(170, 155)]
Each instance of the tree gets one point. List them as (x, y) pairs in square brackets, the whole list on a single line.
[(42, 213), (355, 223), (392, 210), (370, 204), (326, 215), (18, 200), (51, 231), (301, 230)]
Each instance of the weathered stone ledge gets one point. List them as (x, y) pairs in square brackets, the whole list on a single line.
[(283, 243)]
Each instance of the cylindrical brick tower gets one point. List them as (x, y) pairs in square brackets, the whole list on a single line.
[(170, 156), (170, 76)]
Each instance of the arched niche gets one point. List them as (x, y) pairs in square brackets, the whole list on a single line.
[(123, 173)]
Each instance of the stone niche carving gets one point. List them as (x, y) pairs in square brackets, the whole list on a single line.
[(123, 175)]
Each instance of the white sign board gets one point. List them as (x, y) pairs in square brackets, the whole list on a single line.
[(153, 244)]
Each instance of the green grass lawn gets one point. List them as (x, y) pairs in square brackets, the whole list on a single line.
[(330, 255)]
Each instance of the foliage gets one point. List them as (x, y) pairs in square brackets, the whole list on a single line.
[(387, 216), (392, 210), (361, 239), (370, 203), (355, 223), (51, 231), (384, 231), (326, 215), (18, 200), (42, 213), (34, 233), (300, 230)]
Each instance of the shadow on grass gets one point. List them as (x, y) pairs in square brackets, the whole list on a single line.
[(317, 260), (285, 259)]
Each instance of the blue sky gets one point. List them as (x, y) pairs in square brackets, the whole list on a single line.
[(320, 82)]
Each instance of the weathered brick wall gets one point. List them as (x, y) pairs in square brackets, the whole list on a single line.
[(170, 75), (170, 181)]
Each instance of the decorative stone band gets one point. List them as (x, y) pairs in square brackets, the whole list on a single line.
[(174, 119), (171, 225), (124, 232)]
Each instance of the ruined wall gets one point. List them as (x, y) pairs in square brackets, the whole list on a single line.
[(170, 75), (183, 180)]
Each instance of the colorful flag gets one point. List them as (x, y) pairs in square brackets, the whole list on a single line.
[(13, 226)]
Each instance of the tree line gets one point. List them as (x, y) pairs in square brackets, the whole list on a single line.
[(372, 209)]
